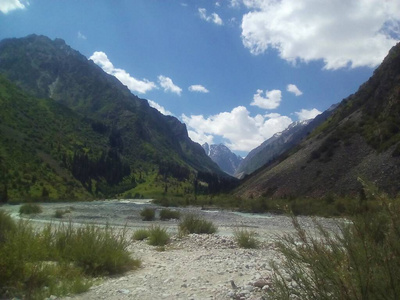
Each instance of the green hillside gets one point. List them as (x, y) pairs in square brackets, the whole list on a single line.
[(38, 138), (69, 130)]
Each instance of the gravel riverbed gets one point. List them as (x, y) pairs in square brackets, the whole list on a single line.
[(193, 266)]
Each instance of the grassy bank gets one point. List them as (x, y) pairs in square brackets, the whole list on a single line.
[(361, 260), (57, 260)]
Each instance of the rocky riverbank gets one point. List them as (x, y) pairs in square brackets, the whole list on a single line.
[(192, 266)]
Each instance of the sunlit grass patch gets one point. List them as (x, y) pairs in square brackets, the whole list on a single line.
[(192, 223)]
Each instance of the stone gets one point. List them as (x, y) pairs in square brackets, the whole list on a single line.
[(249, 288), (231, 294), (124, 291), (260, 283)]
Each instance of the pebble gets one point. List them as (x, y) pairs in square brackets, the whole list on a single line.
[(194, 266), (124, 291)]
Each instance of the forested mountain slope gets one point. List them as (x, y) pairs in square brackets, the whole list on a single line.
[(151, 147)]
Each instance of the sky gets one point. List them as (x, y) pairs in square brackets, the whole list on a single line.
[(234, 71)]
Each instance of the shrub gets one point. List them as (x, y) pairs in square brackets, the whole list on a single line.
[(7, 224), (167, 214), (59, 213), (158, 236), (148, 214), (30, 208), (98, 251), (140, 234), (359, 261), (25, 268), (246, 239), (192, 223)]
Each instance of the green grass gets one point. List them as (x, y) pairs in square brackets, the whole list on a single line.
[(59, 213), (246, 239), (59, 260), (148, 214), (167, 214), (7, 225), (192, 223), (361, 260), (140, 234), (30, 208), (98, 251), (158, 236)]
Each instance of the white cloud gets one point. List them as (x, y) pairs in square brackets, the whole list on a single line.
[(168, 85), (198, 88), (7, 6), (201, 137), (271, 100), (81, 36), (242, 131), (305, 114), (350, 33), (160, 108), (213, 18), (234, 3), (292, 88), (135, 85)]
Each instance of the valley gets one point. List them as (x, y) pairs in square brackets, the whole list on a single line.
[(194, 150)]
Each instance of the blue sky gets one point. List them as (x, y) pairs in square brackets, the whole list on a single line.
[(235, 71)]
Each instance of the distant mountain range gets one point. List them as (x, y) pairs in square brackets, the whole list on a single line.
[(359, 139), (69, 130), (223, 157)]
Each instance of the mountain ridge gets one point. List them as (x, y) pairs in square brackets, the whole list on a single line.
[(223, 157), (359, 140), (153, 145), (280, 142)]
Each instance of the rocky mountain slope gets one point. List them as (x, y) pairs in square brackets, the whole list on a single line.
[(223, 157), (152, 146), (279, 143), (359, 140), (270, 149)]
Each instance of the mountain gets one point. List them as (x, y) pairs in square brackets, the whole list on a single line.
[(360, 139), (223, 157), (270, 149), (35, 135), (279, 143), (152, 150)]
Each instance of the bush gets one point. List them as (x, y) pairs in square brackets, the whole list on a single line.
[(167, 214), (7, 225), (58, 261), (246, 239), (98, 251), (158, 236), (30, 208), (148, 214), (192, 223), (360, 261), (59, 213), (26, 270), (140, 235)]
